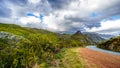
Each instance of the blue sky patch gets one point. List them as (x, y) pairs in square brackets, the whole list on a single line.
[(30, 14), (94, 14), (41, 17), (116, 17)]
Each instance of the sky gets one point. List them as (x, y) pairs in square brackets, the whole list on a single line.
[(101, 16)]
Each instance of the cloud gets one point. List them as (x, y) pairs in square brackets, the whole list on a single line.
[(17, 2), (59, 15), (80, 11), (59, 4), (85, 8), (29, 19), (53, 22), (109, 27), (34, 1)]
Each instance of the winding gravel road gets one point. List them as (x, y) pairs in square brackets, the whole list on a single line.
[(98, 59)]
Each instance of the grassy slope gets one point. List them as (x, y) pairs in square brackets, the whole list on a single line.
[(22, 31), (68, 58)]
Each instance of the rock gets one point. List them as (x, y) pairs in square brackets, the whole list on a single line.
[(10, 36)]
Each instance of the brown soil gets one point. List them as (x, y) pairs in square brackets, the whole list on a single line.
[(95, 59)]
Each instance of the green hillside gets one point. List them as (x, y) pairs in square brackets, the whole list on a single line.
[(23, 31), (112, 44)]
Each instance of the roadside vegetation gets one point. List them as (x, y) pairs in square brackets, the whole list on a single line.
[(68, 58), (112, 44)]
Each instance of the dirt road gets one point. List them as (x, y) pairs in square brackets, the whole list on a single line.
[(95, 59)]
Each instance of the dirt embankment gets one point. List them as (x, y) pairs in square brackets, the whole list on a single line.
[(95, 59)]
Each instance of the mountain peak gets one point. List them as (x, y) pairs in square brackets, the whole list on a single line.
[(78, 33)]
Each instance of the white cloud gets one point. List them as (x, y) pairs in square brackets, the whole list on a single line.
[(36, 14), (83, 8), (53, 22), (110, 26), (50, 22), (29, 19), (34, 1)]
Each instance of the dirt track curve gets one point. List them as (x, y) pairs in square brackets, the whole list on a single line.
[(96, 59)]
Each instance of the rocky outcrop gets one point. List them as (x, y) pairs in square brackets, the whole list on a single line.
[(10, 36)]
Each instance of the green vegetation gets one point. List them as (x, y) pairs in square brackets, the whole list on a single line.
[(22, 47), (68, 58), (112, 44), (22, 31)]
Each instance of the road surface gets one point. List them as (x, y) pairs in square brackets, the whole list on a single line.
[(97, 59)]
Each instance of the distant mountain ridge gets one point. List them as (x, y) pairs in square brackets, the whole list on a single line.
[(94, 37), (106, 36), (90, 38)]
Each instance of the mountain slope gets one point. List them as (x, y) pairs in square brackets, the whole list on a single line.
[(106, 36), (81, 38), (94, 37), (111, 44)]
